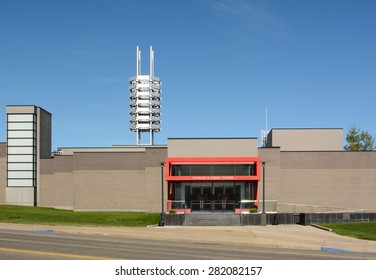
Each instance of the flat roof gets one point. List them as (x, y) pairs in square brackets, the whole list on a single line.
[(210, 138), (33, 106), (305, 128)]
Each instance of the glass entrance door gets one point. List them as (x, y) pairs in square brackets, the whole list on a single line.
[(218, 198), (196, 198), (207, 198), (201, 196), (213, 196), (224, 196)]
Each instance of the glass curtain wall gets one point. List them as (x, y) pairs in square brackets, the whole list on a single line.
[(214, 170), (212, 196)]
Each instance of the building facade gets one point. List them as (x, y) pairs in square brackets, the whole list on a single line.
[(28, 142), (305, 171)]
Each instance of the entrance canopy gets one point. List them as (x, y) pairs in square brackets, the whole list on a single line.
[(213, 169)]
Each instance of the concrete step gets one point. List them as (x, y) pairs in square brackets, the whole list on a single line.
[(212, 219)]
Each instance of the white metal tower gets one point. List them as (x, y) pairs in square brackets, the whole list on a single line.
[(145, 101)]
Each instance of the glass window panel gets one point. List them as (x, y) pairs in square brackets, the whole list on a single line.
[(20, 142), (185, 170), (20, 182), (200, 169), (243, 170), (21, 150), (181, 170), (20, 166), (224, 169), (20, 117), (20, 174), (21, 126), (176, 170), (20, 134), (21, 158)]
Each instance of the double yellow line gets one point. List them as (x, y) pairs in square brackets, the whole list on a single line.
[(71, 256)]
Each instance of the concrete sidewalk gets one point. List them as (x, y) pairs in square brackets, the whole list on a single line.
[(281, 236)]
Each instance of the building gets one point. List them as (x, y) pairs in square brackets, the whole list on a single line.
[(145, 101), (28, 142), (306, 170), (219, 174)]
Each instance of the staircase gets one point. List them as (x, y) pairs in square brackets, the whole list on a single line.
[(212, 219)]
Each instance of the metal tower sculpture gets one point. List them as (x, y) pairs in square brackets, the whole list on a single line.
[(145, 101)]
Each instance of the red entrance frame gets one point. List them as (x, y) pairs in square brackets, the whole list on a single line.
[(212, 160)]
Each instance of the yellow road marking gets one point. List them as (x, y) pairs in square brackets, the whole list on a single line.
[(56, 254)]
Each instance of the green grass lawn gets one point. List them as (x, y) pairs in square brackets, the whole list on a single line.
[(50, 216), (362, 230)]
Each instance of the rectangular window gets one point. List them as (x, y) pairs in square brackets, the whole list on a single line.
[(244, 169), (21, 150), (21, 126), (21, 158), (21, 174), (20, 142), (20, 182), (200, 170), (181, 170), (21, 134), (223, 169), (214, 170), (21, 166), (20, 118)]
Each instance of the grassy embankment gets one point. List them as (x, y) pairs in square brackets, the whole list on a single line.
[(362, 230), (50, 216)]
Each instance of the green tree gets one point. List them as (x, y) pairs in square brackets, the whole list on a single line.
[(368, 141), (358, 140)]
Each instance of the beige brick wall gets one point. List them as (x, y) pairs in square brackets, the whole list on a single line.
[(57, 190), (56, 181), (330, 139), (89, 181), (153, 189), (271, 157), (329, 180), (328, 190), (3, 171), (109, 190), (212, 147)]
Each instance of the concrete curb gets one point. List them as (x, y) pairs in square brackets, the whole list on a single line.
[(321, 227)]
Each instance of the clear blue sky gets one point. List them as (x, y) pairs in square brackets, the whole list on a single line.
[(312, 63)]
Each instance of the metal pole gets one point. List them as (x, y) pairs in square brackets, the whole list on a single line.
[(263, 214), (161, 220), (263, 187)]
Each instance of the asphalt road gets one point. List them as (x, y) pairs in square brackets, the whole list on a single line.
[(29, 245)]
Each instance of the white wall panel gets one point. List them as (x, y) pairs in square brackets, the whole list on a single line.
[(21, 134), (21, 158), (21, 150), (20, 117), (21, 174), (20, 182), (21, 126), (20, 166), (20, 142)]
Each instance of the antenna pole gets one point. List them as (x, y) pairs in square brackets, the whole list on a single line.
[(138, 62), (151, 62)]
